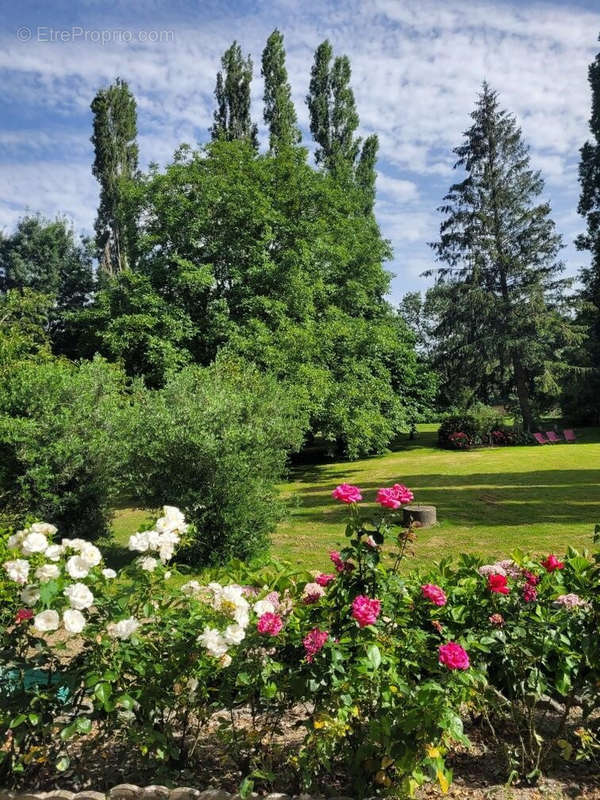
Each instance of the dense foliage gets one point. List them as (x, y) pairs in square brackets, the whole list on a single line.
[(382, 662), (497, 299), (216, 441), (480, 425), (59, 429)]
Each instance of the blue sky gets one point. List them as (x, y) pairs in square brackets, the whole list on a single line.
[(417, 66)]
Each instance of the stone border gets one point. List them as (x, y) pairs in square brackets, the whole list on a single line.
[(129, 791)]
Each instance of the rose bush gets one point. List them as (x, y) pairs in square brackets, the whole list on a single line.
[(384, 664)]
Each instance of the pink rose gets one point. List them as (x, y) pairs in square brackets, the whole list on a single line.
[(270, 624), (531, 578), (313, 642), (312, 593), (432, 592), (453, 656), (365, 610), (324, 579), (498, 584), (551, 563), (346, 493), (339, 563), (529, 593), (395, 497)]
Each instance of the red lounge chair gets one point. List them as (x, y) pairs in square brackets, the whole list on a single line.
[(569, 435), (554, 439), (540, 438)]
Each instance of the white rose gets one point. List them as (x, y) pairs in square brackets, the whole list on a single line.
[(30, 595), (34, 543), (212, 640), (46, 621), (225, 660), (123, 629), (54, 552), (242, 617), (139, 542), (47, 572), (148, 564), (173, 520), (79, 596), (263, 607), (191, 587), (166, 552), (78, 544), (91, 554), (43, 527), (14, 542), (78, 567), (109, 573), (234, 634), (17, 570), (73, 620)]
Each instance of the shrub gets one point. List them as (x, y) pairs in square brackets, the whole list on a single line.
[(59, 432), (477, 426), (215, 440), (381, 663)]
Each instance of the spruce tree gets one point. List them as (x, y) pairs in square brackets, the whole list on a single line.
[(115, 162), (232, 93), (585, 401), (500, 249), (279, 111)]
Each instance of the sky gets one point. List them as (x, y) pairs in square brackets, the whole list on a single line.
[(417, 66)]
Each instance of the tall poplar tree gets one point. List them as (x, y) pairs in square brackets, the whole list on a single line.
[(366, 174), (334, 121), (232, 92), (115, 162), (585, 400), (500, 251), (333, 116), (279, 111)]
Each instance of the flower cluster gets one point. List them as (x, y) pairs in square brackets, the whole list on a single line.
[(162, 540), (66, 567), (392, 497)]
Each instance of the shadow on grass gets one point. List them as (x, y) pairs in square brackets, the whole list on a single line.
[(500, 498)]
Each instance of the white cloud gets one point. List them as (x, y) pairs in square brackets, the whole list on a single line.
[(417, 67)]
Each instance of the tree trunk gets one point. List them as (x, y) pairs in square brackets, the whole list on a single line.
[(419, 516), (522, 392)]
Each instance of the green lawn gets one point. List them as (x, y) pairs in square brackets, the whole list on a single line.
[(491, 500)]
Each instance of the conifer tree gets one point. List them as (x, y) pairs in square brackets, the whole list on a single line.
[(279, 111), (585, 402), (115, 162), (499, 248), (232, 93)]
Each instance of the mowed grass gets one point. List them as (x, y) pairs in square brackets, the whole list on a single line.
[(492, 501)]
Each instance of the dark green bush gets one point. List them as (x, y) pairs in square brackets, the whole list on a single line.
[(61, 457), (471, 428), (214, 442)]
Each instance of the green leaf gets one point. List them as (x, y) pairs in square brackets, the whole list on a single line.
[(63, 763), (374, 656)]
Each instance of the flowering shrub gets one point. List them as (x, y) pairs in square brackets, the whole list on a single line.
[(382, 663)]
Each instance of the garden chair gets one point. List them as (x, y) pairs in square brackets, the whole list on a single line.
[(553, 438), (540, 438), (569, 435)]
